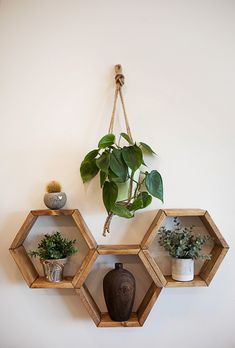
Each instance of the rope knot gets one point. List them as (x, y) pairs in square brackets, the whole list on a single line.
[(119, 78)]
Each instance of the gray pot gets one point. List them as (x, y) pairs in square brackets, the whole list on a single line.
[(55, 200), (53, 269)]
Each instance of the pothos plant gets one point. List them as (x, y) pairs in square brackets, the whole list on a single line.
[(117, 165)]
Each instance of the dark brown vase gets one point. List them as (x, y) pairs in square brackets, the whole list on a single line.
[(119, 293)]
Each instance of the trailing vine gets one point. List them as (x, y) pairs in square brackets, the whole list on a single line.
[(117, 165)]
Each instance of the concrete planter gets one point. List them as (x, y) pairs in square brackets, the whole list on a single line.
[(55, 200)]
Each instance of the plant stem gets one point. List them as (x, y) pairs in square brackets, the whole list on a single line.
[(107, 224), (131, 187)]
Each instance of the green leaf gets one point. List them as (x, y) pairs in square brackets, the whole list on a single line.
[(103, 177), (106, 141), (127, 138), (147, 148), (154, 185), (110, 193), (118, 166), (132, 156), (142, 201), (88, 170), (91, 155), (122, 211), (103, 162), (113, 177)]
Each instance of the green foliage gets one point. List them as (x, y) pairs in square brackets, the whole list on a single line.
[(154, 185), (118, 164), (110, 193), (54, 246), (147, 148), (106, 141), (181, 243)]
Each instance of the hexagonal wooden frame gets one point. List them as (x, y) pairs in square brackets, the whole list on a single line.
[(138, 318), (24, 262), (208, 269)]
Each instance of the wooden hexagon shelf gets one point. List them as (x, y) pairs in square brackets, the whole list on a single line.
[(209, 267), (102, 319), (24, 262)]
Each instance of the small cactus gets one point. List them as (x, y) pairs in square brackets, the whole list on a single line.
[(53, 186)]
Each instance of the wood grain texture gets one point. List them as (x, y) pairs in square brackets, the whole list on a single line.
[(23, 231), (106, 321), (42, 283), (79, 221), (48, 212), (85, 269), (184, 212), (148, 302), (89, 304), (154, 272), (213, 230), (210, 267), (153, 229), (24, 264), (118, 249), (197, 281), (156, 269)]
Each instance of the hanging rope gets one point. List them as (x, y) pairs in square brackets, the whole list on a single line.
[(119, 79)]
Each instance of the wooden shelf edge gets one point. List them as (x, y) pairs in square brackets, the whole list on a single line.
[(42, 283), (49, 212), (107, 322), (84, 229), (184, 212), (152, 268), (196, 282), (122, 249), (85, 268), (24, 264)]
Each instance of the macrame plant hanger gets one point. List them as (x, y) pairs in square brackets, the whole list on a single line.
[(119, 80)]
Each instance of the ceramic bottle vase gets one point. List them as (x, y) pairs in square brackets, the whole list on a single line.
[(119, 293)]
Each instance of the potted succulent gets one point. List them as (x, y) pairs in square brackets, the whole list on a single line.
[(54, 199), (126, 184), (53, 251), (184, 247)]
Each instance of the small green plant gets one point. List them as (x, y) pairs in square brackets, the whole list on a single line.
[(53, 187), (181, 243), (53, 247), (116, 165)]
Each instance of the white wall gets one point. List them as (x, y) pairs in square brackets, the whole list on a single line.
[(56, 68)]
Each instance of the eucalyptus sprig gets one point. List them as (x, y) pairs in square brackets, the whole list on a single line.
[(181, 243), (54, 247), (116, 165)]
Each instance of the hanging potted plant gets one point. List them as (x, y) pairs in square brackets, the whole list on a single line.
[(184, 247), (126, 184), (53, 251)]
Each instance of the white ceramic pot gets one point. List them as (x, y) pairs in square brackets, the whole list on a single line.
[(182, 269)]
